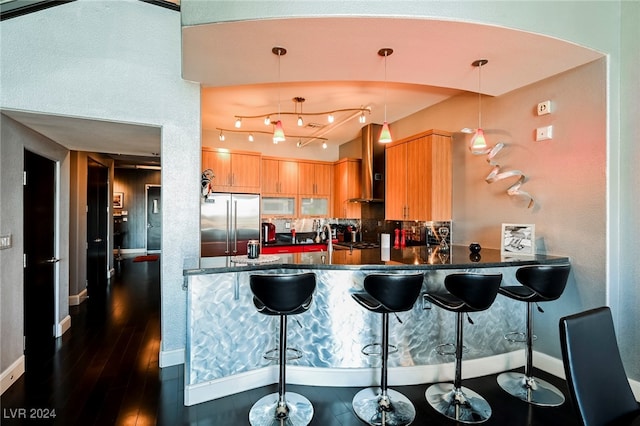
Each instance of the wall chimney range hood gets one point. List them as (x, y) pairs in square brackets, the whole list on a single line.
[(373, 165)]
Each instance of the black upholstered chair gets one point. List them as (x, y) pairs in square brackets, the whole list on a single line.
[(466, 292), (385, 294), (540, 283), (282, 295), (597, 382)]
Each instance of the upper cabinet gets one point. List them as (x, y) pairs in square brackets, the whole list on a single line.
[(347, 183), (279, 177), (233, 171), (419, 177), (314, 179)]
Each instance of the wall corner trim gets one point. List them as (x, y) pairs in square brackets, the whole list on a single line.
[(170, 358)]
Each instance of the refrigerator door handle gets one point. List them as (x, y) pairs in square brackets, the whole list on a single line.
[(228, 226), (235, 226)]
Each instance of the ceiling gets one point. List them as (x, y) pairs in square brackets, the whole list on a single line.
[(333, 63)]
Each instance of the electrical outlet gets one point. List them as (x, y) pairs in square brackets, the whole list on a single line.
[(544, 108), (544, 133)]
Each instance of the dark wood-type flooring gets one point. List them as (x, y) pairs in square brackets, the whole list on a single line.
[(104, 371)]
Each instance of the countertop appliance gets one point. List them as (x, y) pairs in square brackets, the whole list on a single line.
[(227, 223), (268, 233)]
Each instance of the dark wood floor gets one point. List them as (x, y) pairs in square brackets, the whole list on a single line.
[(104, 371)]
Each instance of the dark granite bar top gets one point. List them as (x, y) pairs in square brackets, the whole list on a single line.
[(408, 258)]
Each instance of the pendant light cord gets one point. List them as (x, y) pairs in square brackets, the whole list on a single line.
[(385, 85), (279, 88), (479, 96)]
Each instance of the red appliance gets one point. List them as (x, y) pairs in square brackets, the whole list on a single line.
[(268, 233)]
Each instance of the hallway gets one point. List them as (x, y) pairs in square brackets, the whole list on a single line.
[(104, 371)]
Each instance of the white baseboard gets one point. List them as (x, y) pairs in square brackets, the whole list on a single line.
[(77, 299), (635, 387), (556, 367), (549, 364), (11, 374), (398, 376), (63, 326), (130, 251), (170, 358)]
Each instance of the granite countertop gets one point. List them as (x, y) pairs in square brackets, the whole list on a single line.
[(408, 258)]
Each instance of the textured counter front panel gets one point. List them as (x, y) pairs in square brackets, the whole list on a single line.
[(227, 336)]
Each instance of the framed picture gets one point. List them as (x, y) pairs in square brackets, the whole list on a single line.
[(518, 239), (118, 200)]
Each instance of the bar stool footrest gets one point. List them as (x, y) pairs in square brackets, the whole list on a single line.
[(369, 350), (274, 354), (518, 337), (449, 349)]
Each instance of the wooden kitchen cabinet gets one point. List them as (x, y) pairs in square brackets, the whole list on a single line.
[(347, 183), (314, 179), (419, 177), (279, 177), (234, 171)]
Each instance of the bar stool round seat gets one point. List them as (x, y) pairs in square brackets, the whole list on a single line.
[(466, 292), (385, 294), (282, 295), (540, 283)]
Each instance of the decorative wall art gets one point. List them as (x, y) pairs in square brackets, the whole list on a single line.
[(496, 174), (518, 239), (118, 200)]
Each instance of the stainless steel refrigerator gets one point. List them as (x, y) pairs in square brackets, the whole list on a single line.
[(227, 223)]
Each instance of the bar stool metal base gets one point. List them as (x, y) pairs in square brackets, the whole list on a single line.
[(531, 389), (266, 412), (394, 410), (460, 404)]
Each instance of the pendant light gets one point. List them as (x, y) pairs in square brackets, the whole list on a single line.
[(278, 133), (477, 141), (385, 133)]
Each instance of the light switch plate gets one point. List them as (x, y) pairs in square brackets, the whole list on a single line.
[(544, 133), (5, 241)]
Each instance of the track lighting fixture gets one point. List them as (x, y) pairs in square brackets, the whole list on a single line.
[(302, 140)]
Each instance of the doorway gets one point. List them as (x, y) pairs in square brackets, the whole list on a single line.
[(97, 227), (154, 214), (40, 260)]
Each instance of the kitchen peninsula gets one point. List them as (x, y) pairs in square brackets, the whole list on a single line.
[(227, 337)]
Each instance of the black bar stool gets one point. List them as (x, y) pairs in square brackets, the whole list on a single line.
[(540, 283), (466, 292), (282, 295), (386, 293)]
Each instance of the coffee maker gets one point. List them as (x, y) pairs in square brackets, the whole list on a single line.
[(268, 233)]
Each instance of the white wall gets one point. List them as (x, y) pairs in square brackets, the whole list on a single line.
[(566, 176), (116, 61)]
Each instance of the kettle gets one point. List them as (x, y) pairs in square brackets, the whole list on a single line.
[(268, 233)]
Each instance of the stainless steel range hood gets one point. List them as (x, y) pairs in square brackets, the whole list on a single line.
[(373, 164)]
